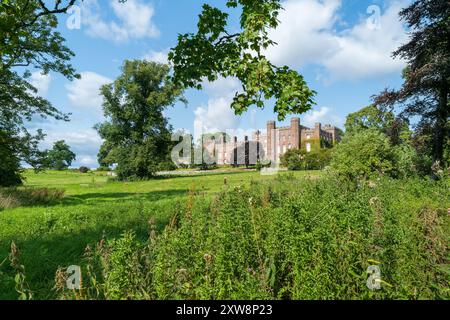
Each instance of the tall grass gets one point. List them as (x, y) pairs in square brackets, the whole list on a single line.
[(21, 197), (285, 239)]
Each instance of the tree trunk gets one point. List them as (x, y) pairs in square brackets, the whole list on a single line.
[(442, 114)]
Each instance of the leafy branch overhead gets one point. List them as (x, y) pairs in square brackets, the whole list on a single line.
[(215, 52)]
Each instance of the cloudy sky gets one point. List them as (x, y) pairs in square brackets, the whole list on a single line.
[(342, 48)]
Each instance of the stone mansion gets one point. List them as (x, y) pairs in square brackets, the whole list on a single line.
[(271, 144)]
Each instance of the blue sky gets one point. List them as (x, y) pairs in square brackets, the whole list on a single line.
[(342, 48)]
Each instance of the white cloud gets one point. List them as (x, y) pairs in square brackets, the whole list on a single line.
[(304, 34), (222, 87), (307, 34), (88, 161), (84, 143), (217, 114), (321, 115), (85, 92), (157, 56), (41, 82), (365, 52), (133, 20)]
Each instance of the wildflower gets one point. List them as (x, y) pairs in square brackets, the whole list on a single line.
[(373, 201), (207, 257)]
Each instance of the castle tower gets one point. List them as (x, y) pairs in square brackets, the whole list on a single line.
[(295, 133), (224, 148), (258, 152), (235, 151), (271, 143), (317, 131)]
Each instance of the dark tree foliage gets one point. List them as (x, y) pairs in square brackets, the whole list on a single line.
[(137, 135), (426, 90), (215, 52), (28, 40), (60, 157)]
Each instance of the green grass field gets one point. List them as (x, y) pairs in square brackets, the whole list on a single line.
[(56, 235)]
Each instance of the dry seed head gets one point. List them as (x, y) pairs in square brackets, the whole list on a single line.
[(60, 279), (207, 257)]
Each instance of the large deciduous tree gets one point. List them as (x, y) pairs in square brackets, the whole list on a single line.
[(60, 157), (137, 135), (373, 117), (426, 90), (28, 40), (214, 51)]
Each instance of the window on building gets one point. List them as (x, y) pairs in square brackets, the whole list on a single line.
[(308, 137), (308, 147)]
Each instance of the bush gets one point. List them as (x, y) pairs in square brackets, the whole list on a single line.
[(205, 166), (84, 169), (369, 153), (262, 165), (364, 154), (103, 169), (295, 159), (406, 160), (166, 166)]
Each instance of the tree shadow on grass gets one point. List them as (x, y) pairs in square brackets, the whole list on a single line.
[(102, 197), (43, 255)]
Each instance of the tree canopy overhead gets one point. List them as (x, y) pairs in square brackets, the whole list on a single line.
[(426, 89), (215, 52)]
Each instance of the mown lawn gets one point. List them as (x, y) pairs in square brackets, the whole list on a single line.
[(56, 235)]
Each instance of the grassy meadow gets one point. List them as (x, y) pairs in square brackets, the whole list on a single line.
[(302, 235), (55, 235)]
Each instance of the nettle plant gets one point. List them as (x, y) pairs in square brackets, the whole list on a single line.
[(215, 52)]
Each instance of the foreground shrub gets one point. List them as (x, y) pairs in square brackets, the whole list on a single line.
[(286, 239)]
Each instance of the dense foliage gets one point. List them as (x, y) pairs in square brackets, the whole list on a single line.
[(369, 153), (137, 135), (214, 51), (84, 169), (295, 159), (373, 117), (426, 90), (60, 157), (291, 239), (28, 38)]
